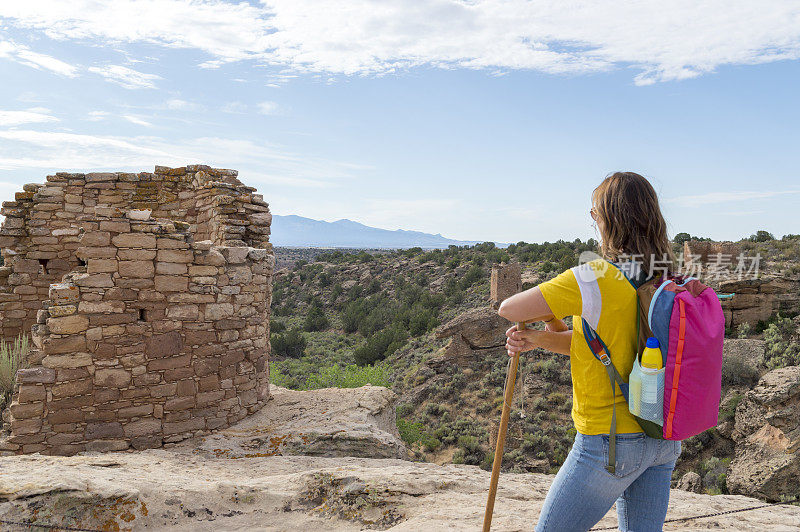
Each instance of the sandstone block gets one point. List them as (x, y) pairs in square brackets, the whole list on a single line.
[(218, 311), (27, 410), (68, 324), (171, 283), (57, 311), (68, 344), (63, 294), (97, 280), (96, 431), (134, 240), (136, 254), (235, 255), (164, 345), (101, 266), (96, 239), (175, 255), (26, 426), (143, 427), (136, 268), (171, 268), (74, 360), (180, 403), (135, 411), (115, 226), (72, 388), (36, 375), (112, 377), (101, 307), (183, 312)]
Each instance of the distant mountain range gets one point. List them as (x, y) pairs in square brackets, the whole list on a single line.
[(297, 231)]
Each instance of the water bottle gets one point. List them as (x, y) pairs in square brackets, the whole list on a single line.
[(646, 384)]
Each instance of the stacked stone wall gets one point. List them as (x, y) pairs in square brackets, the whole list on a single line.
[(153, 336)]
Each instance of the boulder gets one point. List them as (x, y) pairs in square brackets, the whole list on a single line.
[(748, 352), (691, 481), (326, 422), (479, 328), (767, 435)]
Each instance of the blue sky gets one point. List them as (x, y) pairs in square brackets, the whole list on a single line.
[(478, 120)]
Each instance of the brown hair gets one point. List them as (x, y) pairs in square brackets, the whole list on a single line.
[(630, 220)]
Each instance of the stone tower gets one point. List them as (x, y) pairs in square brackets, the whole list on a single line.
[(506, 281)]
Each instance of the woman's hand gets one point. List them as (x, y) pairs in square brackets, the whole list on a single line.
[(521, 341)]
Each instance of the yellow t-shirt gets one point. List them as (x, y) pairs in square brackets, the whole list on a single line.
[(600, 293)]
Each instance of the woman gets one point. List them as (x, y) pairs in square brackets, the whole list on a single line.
[(626, 210)]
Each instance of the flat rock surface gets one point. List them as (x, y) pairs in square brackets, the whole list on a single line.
[(173, 489), (357, 422)]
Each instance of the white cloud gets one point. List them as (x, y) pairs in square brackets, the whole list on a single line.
[(268, 108), (24, 55), (136, 120), (31, 116), (269, 163), (126, 77), (726, 197), (661, 40)]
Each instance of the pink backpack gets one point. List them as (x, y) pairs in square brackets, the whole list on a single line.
[(686, 317)]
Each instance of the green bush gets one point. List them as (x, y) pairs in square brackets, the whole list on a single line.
[(290, 344), (473, 275), (469, 451), (315, 319), (380, 345)]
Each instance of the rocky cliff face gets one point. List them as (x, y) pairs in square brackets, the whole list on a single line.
[(767, 435), (248, 477)]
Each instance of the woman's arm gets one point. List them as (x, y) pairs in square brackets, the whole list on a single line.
[(528, 305), (520, 341)]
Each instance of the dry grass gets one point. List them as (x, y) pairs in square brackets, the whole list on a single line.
[(13, 355)]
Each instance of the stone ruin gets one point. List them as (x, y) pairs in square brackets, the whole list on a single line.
[(700, 252), (505, 281), (147, 299)]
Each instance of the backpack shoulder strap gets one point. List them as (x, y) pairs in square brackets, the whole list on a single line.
[(601, 353)]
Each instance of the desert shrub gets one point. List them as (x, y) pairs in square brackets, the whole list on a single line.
[(324, 279), (782, 343), (736, 372), (315, 318), (380, 345), (410, 432), (13, 356), (453, 263), (744, 330), (336, 291), (761, 236), (727, 410), (434, 409), (473, 275), (290, 343), (469, 451), (276, 326)]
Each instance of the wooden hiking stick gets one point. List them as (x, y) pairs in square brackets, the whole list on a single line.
[(508, 396)]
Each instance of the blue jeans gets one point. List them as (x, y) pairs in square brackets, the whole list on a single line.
[(583, 490)]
